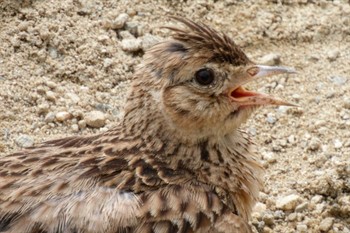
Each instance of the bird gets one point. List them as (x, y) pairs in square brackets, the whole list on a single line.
[(178, 161)]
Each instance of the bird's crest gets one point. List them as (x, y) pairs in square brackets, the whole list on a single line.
[(199, 36)]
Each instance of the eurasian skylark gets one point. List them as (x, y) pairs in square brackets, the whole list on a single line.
[(177, 162)]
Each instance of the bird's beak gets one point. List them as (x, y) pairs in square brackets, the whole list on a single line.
[(248, 98)]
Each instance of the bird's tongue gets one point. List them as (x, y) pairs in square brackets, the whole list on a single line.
[(246, 98)]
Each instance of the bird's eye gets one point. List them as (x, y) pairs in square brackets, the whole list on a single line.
[(204, 76)]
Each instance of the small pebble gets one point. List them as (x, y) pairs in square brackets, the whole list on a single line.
[(291, 139), (279, 214), (292, 217), (50, 117), (134, 28), (269, 157), (82, 124), (120, 21), (259, 208), (63, 116), (51, 84), (75, 98), (301, 207), (338, 144), (333, 55), (268, 219), (103, 39), (314, 58), (283, 109), (314, 144), (271, 118), (107, 62), (148, 41), (126, 35), (24, 141), (302, 228), (51, 96), (338, 80), (131, 45), (288, 202), (326, 224), (296, 97), (95, 119), (346, 103), (43, 108), (75, 128)]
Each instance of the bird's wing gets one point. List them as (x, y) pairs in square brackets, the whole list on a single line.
[(187, 208), (66, 186), (98, 210)]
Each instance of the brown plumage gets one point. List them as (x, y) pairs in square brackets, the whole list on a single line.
[(176, 163)]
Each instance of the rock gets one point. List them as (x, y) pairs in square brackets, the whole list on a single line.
[(271, 59), (134, 28), (75, 128), (148, 41), (338, 80), (63, 116), (302, 228), (50, 117), (301, 207), (86, 7), (269, 157), (338, 144), (24, 141), (108, 62), (271, 118), (252, 130), (125, 35), (51, 84), (296, 97), (283, 109), (43, 108), (23, 26), (120, 21), (259, 208), (326, 224), (82, 124), (291, 139), (131, 45), (75, 98), (102, 107), (268, 219), (292, 217), (333, 55), (95, 119), (314, 144), (267, 229), (103, 39), (279, 214), (288, 202), (346, 103), (313, 58), (50, 95)]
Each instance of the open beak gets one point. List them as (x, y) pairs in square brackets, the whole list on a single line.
[(249, 98)]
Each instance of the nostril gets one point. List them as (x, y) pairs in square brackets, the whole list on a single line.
[(253, 71)]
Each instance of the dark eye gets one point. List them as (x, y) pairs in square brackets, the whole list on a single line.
[(204, 76)]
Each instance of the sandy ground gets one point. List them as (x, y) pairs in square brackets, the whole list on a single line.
[(61, 60)]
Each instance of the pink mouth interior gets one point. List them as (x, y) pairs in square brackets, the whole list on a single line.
[(241, 92)]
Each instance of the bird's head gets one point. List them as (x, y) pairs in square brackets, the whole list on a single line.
[(197, 78)]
